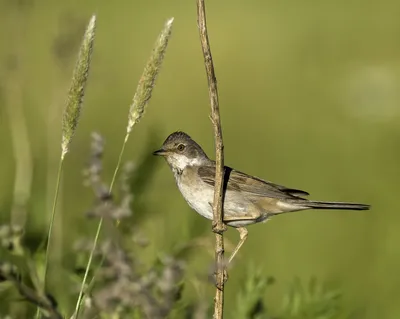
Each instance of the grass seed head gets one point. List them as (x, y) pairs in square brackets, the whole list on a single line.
[(149, 76), (77, 90)]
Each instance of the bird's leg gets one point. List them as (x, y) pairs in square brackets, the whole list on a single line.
[(243, 236)]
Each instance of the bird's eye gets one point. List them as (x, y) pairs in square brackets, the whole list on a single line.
[(181, 147)]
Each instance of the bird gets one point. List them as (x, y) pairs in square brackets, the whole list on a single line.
[(246, 199)]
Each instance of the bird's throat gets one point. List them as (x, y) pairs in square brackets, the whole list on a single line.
[(177, 172)]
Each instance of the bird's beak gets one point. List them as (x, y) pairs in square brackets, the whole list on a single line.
[(160, 152)]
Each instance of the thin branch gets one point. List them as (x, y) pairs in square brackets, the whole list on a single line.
[(218, 225), (33, 296)]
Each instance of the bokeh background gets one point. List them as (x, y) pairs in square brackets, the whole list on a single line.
[(310, 98)]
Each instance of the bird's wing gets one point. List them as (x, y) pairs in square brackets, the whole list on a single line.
[(238, 181)]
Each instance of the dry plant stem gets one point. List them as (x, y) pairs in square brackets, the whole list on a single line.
[(218, 225), (43, 303), (35, 298)]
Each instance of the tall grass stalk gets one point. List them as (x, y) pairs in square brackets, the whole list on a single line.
[(137, 108), (71, 118)]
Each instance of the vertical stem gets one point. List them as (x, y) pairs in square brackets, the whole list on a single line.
[(53, 214), (218, 226), (97, 236), (50, 231)]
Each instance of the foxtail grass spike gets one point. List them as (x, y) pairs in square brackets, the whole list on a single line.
[(136, 111), (70, 122), (148, 78), (77, 90)]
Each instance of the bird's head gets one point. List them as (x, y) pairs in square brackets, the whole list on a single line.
[(180, 151)]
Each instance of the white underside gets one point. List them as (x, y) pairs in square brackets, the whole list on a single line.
[(200, 197)]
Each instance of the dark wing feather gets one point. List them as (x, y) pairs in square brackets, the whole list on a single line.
[(238, 181)]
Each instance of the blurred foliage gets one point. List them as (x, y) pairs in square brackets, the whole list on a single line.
[(310, 95)]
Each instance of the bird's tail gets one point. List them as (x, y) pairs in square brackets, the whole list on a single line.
[(336, 205)]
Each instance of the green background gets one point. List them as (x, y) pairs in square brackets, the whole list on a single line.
[(309, 97)]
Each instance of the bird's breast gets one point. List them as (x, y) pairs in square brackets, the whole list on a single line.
[(200, 196), (196, 193)]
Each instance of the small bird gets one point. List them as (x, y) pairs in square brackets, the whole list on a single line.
[(247, 199)]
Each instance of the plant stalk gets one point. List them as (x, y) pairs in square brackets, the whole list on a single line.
[(218, 226)]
